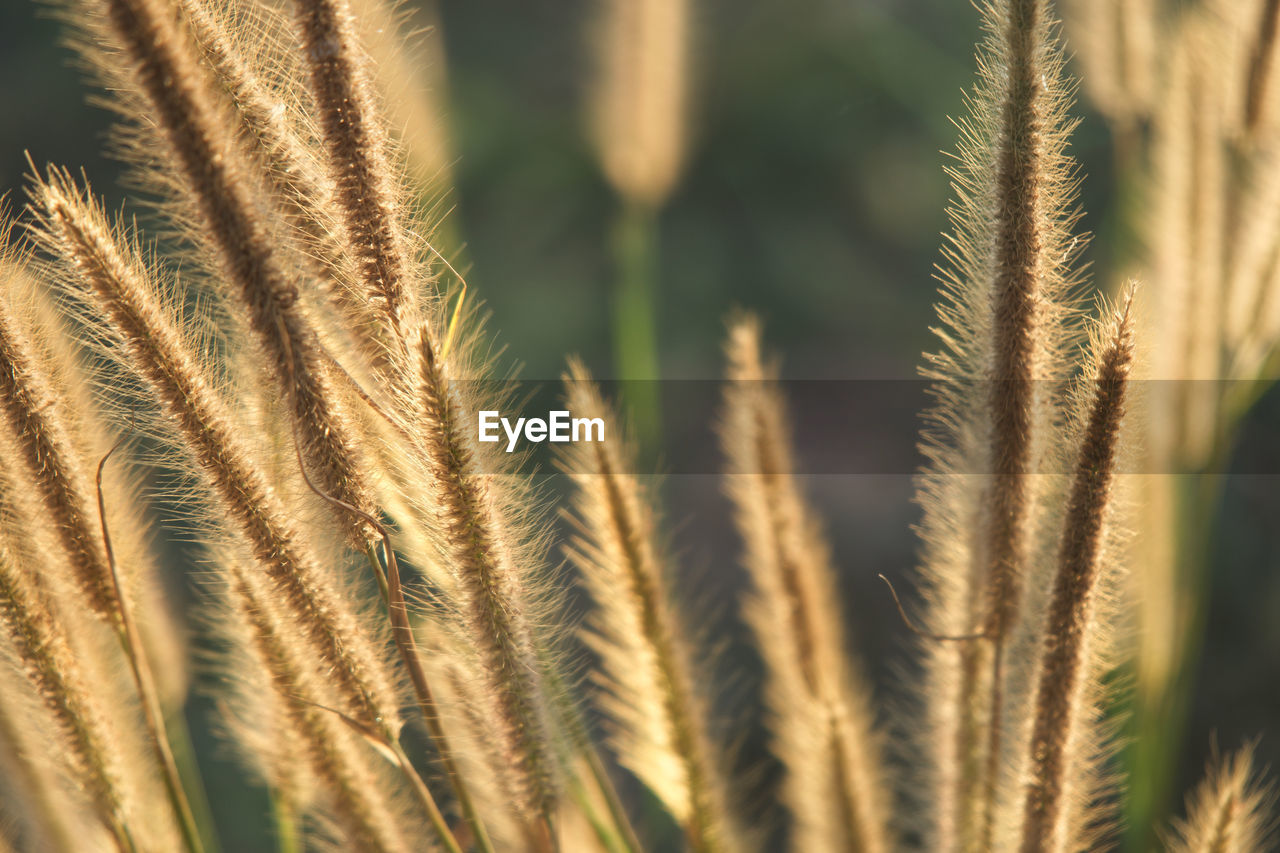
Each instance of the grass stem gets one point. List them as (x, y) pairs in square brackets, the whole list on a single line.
[(635, 308), (140, 667)]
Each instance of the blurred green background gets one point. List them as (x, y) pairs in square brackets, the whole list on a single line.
[(814, 194)]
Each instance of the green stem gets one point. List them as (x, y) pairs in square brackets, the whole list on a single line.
[(144, 681), (286, 821), (184, 755), (635, 338)]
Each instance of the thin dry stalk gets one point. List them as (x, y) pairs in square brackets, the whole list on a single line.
[(41, 648), (1072, 630), (144, 682), (822, 723), (658, 712)]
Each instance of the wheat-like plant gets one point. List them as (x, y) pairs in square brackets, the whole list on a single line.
[(390, 650)]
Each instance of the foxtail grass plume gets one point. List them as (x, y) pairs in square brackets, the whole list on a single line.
[(477, 534), (821, 717), (110, 274), (37, 423), (1229, 811), (359, 166), (355, 798), (655, 699), (228, 220), (641, 96), (42, 809), (1117, 44), (1008, 268), (309, 368), (407, 57), (1068, 741), (36, 648)]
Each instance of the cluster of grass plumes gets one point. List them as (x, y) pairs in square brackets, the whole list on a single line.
[(309, 383), (1190, 92)]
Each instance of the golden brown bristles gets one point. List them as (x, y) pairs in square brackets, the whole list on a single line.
[(406, 49), (492, 604), (359, 166), (1009, 266), (1016, 285), (658, 710), (39, 807), (301, 187), (37, 418), (1230, 811), (300, 184), (223, 192), (330, 666), (1073, 630), (42, 651), (821, 719), (307, 368), (338, 758)]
